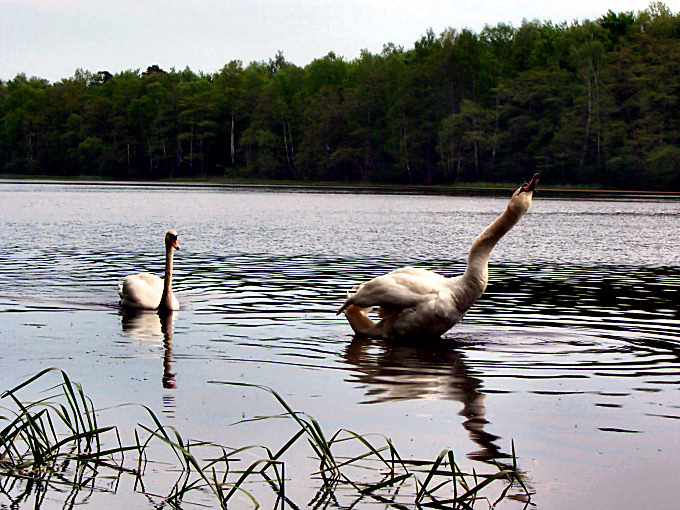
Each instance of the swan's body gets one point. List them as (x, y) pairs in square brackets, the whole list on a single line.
[(417, 302), (146, 291)]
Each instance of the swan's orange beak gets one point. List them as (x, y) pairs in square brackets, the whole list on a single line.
[(175, 244), (532, 185)]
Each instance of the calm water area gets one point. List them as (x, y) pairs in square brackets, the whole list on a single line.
[(573, 352)]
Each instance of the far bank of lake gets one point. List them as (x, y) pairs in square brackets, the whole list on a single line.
[(476, 189)]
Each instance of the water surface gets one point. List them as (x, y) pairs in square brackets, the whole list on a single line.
[(572, 353)]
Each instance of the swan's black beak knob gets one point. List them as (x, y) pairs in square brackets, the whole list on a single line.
[(532, 185), (171, 238)]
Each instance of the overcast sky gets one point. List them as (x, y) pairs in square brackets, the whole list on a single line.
[(52, 38)]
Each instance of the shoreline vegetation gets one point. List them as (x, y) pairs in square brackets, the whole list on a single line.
[(587, 104), (58, 445)]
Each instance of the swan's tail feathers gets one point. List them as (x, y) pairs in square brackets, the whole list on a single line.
[(358, 319)]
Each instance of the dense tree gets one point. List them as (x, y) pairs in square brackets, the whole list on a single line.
[(592, 102)]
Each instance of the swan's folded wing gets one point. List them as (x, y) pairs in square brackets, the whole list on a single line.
[(141, 283), (396, 290), (141, 290)]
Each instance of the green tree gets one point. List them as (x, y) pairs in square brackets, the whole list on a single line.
[(464, 139), (325, 130), (197, 126), (23, 122), (229, 90)]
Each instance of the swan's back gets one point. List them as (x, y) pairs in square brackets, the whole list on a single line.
[(399, 289), (419, 272)]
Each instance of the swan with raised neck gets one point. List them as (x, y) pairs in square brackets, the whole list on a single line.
[(416, 302)]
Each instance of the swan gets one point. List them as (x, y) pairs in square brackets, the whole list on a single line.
[(417, 302), (147, 291)]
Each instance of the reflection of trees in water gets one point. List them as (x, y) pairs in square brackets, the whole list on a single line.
[(392, 370), (150, 326)]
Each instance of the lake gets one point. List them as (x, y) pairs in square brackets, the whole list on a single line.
[(572, 353)]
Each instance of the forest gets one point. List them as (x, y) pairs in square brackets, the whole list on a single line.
[(586, 103)]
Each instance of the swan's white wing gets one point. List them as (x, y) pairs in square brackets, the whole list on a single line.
[(396, 290), (141, 290)]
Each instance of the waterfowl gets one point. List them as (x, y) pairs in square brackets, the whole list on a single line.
[(414, 302), (146, 291)]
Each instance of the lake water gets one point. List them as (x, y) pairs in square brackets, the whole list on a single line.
[(572, 353)]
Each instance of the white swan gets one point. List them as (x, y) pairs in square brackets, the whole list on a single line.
[(417, 302), (147, 291)]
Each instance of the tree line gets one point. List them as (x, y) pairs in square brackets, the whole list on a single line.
[(586, 103)]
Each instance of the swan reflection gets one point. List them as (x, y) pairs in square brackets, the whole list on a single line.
[(392, 370), (150, 326)]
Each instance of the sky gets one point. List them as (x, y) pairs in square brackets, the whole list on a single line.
[(50, 39)]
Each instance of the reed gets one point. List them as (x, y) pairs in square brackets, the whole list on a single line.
[(56, 444)]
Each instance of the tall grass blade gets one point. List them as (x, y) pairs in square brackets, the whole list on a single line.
[(430, 475), (387, 483)]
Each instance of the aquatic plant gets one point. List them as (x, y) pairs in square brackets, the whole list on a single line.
[(56, 444)]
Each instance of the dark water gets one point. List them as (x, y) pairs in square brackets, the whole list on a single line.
[(572, 353)]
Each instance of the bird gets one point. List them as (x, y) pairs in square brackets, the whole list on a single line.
[(415, 302), (146, 291)]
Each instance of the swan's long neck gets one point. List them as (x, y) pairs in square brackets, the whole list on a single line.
[(166, 298), (476, 274)]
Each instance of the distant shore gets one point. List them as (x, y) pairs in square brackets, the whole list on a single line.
[(484, 189)]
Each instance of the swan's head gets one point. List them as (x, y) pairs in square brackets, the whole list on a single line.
[(521, 199), (171, 239)]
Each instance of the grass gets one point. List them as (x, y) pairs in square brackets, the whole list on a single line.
[(56, 445)]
